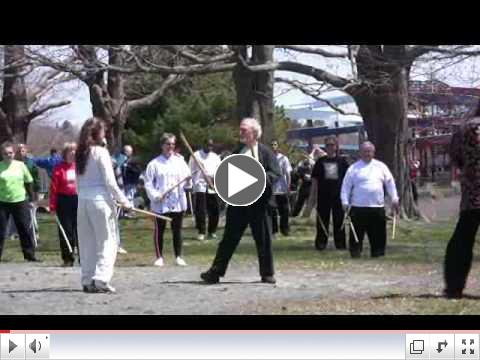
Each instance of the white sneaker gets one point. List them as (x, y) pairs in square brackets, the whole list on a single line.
[(212, 236), (103, 287), (201, 237), (159, 262), (121, 250), (180, 262)]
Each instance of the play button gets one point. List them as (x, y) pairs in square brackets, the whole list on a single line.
[(240, 180), (11, 346)]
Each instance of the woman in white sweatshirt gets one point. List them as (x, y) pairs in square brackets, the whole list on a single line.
[(96, 216), (162, 174)]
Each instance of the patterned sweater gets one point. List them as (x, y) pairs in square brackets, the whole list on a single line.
[(465, 154)]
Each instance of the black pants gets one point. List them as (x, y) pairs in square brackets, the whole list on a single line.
[(372, 221), (20, 212), (414, 191), (458, 258), (206, 204), (325, 206), (67, 214), (281, 209), (238, 218), (303, 194), (176, 224)]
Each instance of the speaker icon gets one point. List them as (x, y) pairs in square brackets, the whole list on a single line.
[(35, 346)]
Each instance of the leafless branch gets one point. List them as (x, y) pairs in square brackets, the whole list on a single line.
[(313, 50), (156, 95), (47, 107), (225, 55), (312, 93)]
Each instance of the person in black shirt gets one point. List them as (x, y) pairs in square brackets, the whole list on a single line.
[(327, 177)]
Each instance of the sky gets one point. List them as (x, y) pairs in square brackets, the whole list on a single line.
[(465, 74)]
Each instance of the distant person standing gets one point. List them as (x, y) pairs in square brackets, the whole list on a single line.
[(206, 200), (64, 202), (363, 195), (48, 163), (280, 192), (16, 184), (304, 172), (327, 177), (162, 174)]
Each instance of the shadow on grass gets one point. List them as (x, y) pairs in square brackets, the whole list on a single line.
[(422, 296), (47, 290)]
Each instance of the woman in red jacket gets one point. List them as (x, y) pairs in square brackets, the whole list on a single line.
[(64, 201)]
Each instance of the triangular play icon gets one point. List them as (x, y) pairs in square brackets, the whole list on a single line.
[(11, 346), (238, 180)]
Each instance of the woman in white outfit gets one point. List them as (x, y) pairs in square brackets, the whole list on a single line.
[(162, 173), (96, 216)]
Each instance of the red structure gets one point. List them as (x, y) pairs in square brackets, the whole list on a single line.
[(435, 110)]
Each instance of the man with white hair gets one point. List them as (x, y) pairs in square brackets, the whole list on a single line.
[(257, 215), (363, 195)]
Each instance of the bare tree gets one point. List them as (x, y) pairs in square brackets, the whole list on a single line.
[(379, 86), (17, 108)]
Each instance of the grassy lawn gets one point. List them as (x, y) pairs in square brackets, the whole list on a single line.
[(413, 263), (416, 243)]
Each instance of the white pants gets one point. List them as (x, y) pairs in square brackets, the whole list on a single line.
[(97, 239)]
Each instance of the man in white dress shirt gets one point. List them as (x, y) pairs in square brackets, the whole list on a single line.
[(162, 173), (206, 201), (363, 194)]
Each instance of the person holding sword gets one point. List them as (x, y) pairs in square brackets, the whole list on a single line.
[(96, 215), (327, 176), (363, 199), (166, 178), (206, 200), (64, 202)]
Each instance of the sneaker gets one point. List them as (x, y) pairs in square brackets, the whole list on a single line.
[(268, 279), (103, 287), (89, 289), (210, 277), (68, 263), (180, 262), (200, 237), (159, 262), (121, 250), (212, 236)]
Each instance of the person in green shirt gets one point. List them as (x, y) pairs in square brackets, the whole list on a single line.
[(16, 183), (22, 155)]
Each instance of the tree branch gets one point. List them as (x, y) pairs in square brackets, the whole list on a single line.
[(312, 93), (152, 98), (197, 58), (47, 107), (312, 50)]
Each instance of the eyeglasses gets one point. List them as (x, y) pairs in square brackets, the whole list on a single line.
[(331, 144), (169, 144)]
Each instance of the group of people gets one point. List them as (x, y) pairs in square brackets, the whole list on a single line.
[(85, 195)]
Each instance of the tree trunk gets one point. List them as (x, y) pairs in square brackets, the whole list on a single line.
[(14, 125), (383, 108), (264, 83), (108, 99), (244, 82), (255, 90)]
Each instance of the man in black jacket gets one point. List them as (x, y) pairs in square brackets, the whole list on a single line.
[(257, 215), (327, 176)]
